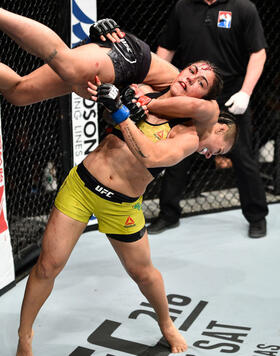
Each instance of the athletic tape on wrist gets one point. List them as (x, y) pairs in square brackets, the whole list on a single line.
[(121, 114)]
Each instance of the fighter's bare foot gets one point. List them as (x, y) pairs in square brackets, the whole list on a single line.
[(175, 339), (25, 345)]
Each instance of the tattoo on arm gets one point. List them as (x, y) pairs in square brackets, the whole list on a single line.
[(133, 143), (51, 56)]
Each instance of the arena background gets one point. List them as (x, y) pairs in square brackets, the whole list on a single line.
[(37, 139)]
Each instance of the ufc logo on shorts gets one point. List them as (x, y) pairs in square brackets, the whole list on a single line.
[(104, 191)]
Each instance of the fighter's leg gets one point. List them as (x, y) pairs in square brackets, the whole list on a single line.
[(75, 66), (8, 78), (32, 36), (161, 73), (60, 237), (39, 85), (136, 259)]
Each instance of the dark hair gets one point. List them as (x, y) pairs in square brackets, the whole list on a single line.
[(217, 86), (232, 133)]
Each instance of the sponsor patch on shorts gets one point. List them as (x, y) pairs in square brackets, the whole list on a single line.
[(129, 222), (137, 206)]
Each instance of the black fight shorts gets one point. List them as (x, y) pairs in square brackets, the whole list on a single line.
[(131, 59)]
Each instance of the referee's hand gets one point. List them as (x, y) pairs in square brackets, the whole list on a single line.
[(238, 103)]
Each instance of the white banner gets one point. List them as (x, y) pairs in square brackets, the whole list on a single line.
[(84, 112), (7, 272)]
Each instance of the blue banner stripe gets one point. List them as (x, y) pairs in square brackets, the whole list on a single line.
[(79, 14), (79, 32)]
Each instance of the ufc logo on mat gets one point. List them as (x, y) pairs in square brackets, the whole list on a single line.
[(104, 191)]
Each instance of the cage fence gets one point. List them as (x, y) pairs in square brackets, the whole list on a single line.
[(32, 135), (31, 143), (209, 189)]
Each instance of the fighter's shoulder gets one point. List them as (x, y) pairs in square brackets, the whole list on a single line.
[(186, 127), (185, 136)]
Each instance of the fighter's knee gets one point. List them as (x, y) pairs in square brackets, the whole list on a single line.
[(14, 99), (47, 269), (15, 95), (140, 275), (22, 93), (68, 74), (71, 72)]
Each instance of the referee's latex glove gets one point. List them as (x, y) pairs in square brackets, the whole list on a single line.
[(238, 103)]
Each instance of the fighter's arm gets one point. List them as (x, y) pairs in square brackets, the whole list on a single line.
[(203, 112), (163, 153), (161, 73), (200, 110)]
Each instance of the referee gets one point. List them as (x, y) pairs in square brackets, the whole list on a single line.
[(228, 33)]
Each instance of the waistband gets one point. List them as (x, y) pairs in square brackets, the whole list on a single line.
[(101, 190)]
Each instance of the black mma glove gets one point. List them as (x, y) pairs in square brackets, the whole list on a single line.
[(101, 28), (136, 113), (109, 96), (128, 94)]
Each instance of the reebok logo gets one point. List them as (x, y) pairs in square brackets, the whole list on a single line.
[(129, 222), (159, 135)]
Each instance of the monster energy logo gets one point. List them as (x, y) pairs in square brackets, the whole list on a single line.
[(137, 206)]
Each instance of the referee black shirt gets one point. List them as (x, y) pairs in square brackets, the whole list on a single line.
[(225, 33)]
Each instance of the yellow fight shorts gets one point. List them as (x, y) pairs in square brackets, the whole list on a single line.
[(119, 216)]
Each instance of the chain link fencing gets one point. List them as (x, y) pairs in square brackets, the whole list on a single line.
[(209, 189), (34, 153), (32, 144)]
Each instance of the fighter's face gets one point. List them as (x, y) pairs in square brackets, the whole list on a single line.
[(215, 143), (194, 81)]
